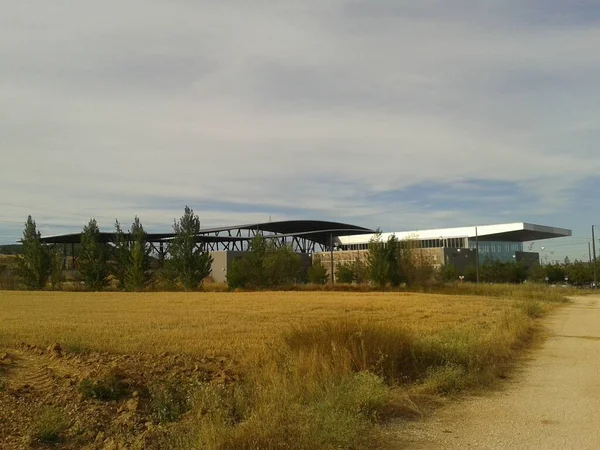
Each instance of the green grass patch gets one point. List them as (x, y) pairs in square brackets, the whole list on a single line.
[(169, 400), (48, 425)]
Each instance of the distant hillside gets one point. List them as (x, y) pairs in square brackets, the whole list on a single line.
[(11, 249)]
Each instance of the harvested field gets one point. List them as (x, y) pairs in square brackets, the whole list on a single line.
[(228, 324), (234, 370)]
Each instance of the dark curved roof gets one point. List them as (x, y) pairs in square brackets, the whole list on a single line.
[(295, 226), (319, 231)]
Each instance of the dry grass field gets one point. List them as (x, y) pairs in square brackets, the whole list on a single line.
[(229, 324), (244, 370)]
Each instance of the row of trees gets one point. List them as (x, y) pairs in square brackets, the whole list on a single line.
[(577, 273), (127, 258)]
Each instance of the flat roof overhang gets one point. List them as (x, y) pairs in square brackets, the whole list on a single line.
[(507, 232)]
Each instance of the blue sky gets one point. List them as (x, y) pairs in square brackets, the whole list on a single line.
[(385, 113)]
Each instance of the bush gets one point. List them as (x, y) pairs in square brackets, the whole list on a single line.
[(168, 401), (110, 387), (265, 266), (344, 274), (47, 425), (317, 273)]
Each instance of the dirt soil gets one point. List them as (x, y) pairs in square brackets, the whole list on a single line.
[(552, 403), (33, 378)]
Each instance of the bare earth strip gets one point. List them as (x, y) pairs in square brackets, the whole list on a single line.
[(554, 403)]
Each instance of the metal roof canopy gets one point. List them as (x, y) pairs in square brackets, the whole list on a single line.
[(507, 232), (314, 230)]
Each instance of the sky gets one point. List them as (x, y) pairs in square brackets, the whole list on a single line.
[(390, 114)]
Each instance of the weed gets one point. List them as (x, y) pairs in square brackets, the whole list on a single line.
[(109, 387), (47, 425), (532, 308), (168, 401), (77, 347)]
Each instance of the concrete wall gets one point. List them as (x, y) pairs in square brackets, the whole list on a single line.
[(221, 262)]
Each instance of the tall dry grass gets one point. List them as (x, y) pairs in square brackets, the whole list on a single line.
[(318, 370)]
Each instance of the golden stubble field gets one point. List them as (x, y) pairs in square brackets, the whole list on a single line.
[(223, 324), (299, 370)]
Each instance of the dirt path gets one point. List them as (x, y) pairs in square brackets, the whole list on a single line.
[(553, 403)]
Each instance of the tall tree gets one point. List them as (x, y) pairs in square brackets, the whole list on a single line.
[(92, 258), (122, 256), (56, 268), (138, 272), (377, 261), (190, 261), (34, 264)]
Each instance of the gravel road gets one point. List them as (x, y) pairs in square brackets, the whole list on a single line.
[(552, 403)]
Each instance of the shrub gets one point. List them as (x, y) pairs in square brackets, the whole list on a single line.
[(317, 273), (168, 401), (110, 387), (344, 274), (47, 425), (265, 266)]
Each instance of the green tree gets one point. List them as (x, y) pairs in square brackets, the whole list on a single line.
[(282, 266), (377, 261), (393, 252), (122, 256), (344, 274), (56, 268), (138, 274), (360, 271), (555, 273), (537, 274), (317, 273), (92, 258), (517, 272), (265, 266), (580, 273), (34, 264), (191, 262), (448, 273)]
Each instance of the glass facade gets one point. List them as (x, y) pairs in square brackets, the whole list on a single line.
[(497, 250)]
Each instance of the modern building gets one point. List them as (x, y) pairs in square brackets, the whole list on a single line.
[(336, 243), (458, 246)]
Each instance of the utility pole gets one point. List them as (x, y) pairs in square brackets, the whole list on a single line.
[(590, 252), (331, 254), (477, 255), (594, 249)]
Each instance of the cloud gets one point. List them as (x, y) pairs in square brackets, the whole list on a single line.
[(396, 114)]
